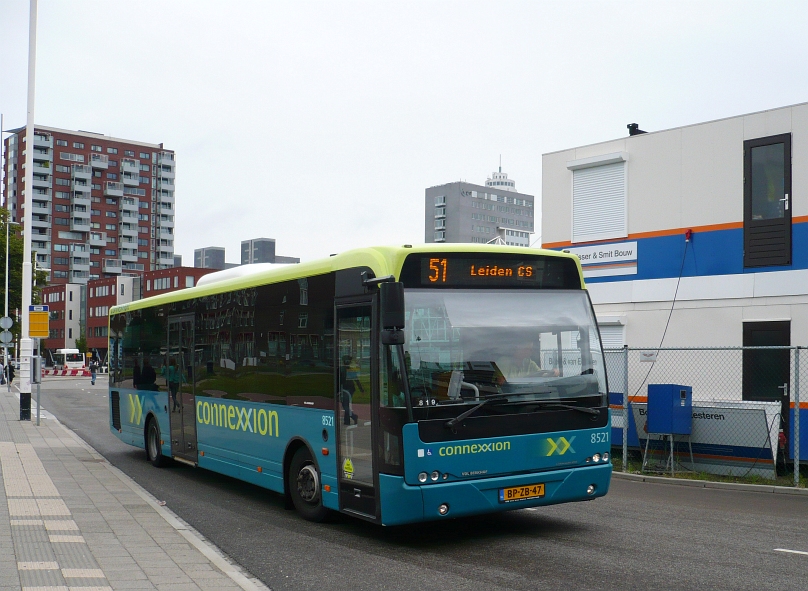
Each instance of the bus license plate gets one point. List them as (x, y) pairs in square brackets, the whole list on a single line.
[(521, 493)]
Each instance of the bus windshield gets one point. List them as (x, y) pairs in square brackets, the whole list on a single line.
[(74, 357), (463, 346)]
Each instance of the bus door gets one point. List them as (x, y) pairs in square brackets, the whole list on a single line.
[(179, 376), (356, 406)]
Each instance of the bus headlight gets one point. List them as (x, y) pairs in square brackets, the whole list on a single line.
[(596, 458), (590, 490), (605, 457), (443, 509), (435, 475), (422, 477)]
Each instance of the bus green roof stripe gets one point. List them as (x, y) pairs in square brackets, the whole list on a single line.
[(383, 260)]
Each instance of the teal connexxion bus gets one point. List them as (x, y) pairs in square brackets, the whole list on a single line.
[(394, 384)]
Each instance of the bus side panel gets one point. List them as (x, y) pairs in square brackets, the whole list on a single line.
[(248, 440), (135, 406)]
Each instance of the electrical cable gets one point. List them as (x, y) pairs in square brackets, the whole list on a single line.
[(673, 303)]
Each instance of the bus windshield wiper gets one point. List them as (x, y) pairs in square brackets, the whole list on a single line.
[(452, 422), (584, 409)]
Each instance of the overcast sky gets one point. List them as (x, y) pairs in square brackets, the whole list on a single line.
[(320, 124)]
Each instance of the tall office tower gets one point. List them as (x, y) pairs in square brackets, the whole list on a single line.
[(262, 250), (210, 257), (102, 206), (258, 250), (465, 212)]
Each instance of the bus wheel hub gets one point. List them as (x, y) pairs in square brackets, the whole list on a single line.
[(308, 485)]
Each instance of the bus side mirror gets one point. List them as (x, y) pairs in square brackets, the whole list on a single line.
[(392, 304), (391, 296)]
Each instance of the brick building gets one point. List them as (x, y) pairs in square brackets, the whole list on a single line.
[(102, 206)]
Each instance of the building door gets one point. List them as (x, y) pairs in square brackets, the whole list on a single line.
[(767, 372), (357, 406), (179, 375), (767, 201)]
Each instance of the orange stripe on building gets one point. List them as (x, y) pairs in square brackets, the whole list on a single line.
[(670, 232)]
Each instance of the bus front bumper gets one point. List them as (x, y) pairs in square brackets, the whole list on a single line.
[(403, 503)]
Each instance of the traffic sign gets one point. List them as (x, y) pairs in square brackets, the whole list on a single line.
[(39, 308), (6, 323), (38, 326), (6, 337)]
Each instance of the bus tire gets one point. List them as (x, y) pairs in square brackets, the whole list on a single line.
[(154, 451), (305, 486)]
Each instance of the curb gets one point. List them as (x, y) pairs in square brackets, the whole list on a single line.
[(233, 570), (763, 488)]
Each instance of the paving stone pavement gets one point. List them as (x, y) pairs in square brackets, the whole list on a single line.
[(69, 521)]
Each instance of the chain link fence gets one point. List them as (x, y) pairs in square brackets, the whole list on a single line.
[(731, 411)]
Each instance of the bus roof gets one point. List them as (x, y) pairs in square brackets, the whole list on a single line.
[(382, 260)]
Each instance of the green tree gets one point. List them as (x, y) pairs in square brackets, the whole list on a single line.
[(16, 249)]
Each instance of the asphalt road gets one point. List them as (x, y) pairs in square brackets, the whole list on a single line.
[(640, 536)]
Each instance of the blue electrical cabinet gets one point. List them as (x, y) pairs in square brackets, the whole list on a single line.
[(670, 409)]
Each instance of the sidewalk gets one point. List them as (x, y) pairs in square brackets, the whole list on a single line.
[(69, 521)]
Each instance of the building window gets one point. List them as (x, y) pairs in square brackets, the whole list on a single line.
[(128, 153), (95, 148), (112, 151), (767, 201), (61, 143), (440, 236), (441, 211), (440, 200), (78, 145), (112, 176), (599, 198), (440, 224)]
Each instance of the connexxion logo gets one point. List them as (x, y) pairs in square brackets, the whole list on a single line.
[(559, 446), (135, 409)]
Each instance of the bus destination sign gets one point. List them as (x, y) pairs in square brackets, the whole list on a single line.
[(505, 271)]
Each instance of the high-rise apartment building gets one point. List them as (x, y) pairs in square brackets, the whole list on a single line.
[(102, 206), (465, 212), (262, 250)]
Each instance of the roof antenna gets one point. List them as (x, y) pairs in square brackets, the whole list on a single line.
[(500, 162)]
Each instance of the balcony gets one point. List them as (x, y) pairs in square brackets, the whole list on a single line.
[(112, 189), (166, 174), (42, 167), (80, 263), (41, 221), (40, 194), (166, 234), (81, 199), (43, 181), (79, 224), (82, 171), (129, 204), (166, 258), (111, 266), (44, 141), (40, 208), (167, 198), (98, 239), (133, 267), (128, 230), (99, 161), (130, 180), (167, 184), (131, 166), (79, 277), (165, 222), (43, 154), (128, 255), (81, 185)]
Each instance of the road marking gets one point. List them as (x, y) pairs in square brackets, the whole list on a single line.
[(791, 551)]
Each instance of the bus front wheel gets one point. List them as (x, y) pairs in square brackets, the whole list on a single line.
[(305, 486), (154, 451)]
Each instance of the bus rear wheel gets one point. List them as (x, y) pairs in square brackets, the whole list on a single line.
[(154, 451), (305, 487)]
